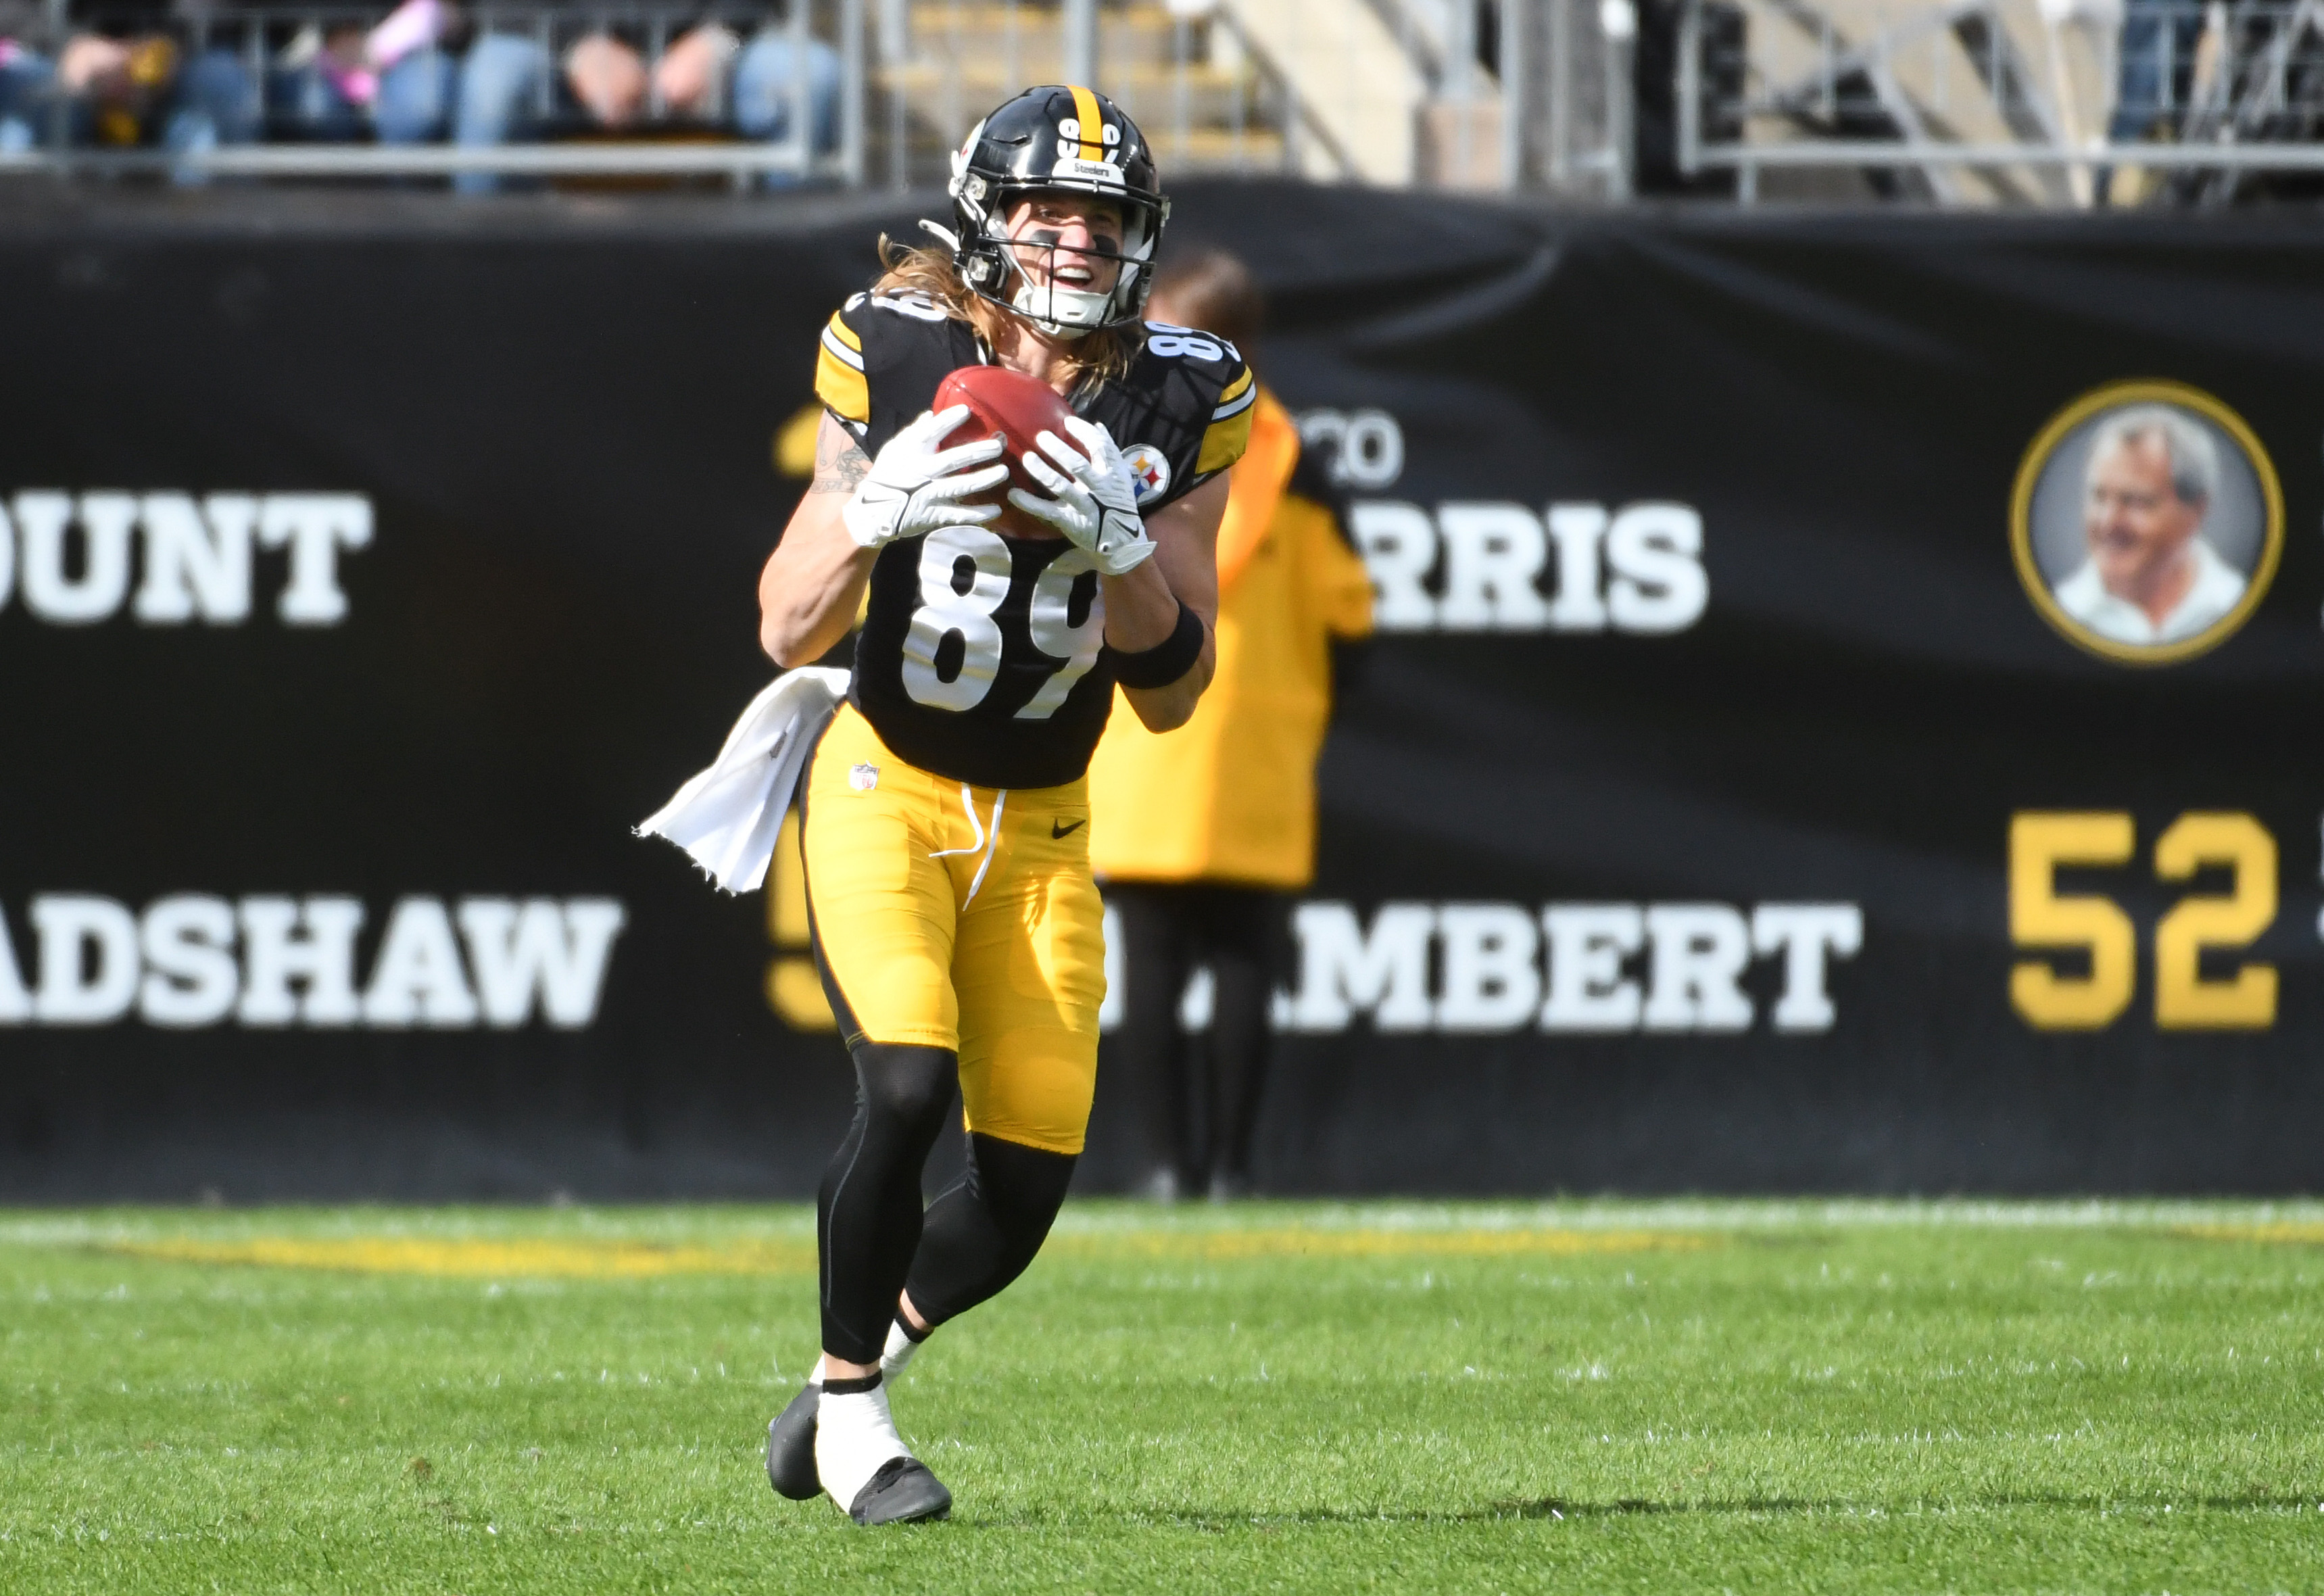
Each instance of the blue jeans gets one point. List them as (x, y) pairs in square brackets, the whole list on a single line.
[(209, 104), (414, 104), (415, 97), (509, 89), (2150, 28), (302, 104), (760, 103), (25, 86)]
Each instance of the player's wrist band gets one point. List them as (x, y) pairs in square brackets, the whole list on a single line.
[(1167, 660)]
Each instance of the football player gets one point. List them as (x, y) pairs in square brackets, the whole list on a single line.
[(944, 820)]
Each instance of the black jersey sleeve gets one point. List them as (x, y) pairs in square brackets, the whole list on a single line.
[(1181, 413), (880, 360)]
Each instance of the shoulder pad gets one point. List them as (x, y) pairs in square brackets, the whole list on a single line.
[(839, 379), (1165, 341), (903, 302), (1229, 433)]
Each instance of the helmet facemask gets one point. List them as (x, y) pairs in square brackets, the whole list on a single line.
[(1061, 308), (992, 263)]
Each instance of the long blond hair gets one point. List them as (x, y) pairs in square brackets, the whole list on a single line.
[(1103, 355)]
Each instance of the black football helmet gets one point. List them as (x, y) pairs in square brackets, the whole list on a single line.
[(1060, 137)]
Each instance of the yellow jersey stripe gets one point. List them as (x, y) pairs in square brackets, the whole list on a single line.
[(841, 387), (1093, 125), (1235, 389), (1234, 407), (845, 334), (1224, 442), (839, 350)]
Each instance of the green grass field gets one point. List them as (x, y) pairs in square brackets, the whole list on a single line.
[(1580, 1396)]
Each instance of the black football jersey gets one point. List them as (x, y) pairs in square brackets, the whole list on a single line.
[(982, 656)]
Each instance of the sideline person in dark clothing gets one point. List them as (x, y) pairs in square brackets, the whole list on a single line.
[(1199, 835)]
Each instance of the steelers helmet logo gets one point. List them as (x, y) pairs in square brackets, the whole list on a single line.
[(1150, 468)]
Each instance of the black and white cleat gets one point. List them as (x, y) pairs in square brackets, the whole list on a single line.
[(790, 1447), (902, 1492)]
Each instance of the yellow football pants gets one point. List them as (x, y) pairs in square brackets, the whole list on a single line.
[(964, 918)]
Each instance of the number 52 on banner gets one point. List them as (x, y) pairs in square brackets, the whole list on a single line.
[(2041, 917)]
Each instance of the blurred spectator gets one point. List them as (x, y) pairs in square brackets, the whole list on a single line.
[(320, 87), (507, 90), (420, 75), (345, 82), (129, 80), (27, 70), (1200, 834)]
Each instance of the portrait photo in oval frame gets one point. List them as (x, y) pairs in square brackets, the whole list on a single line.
[(2147, 522)]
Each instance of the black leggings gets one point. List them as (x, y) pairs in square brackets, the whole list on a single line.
[(1168, 929), (874, 1238)]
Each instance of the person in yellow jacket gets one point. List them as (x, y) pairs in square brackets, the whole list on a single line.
[(1199, 835)]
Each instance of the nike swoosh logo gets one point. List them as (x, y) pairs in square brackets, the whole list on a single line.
[(1056, 830)]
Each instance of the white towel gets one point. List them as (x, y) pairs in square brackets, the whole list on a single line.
[(727, 817)]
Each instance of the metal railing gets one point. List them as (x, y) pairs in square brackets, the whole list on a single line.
[(1953, 101), (1535, 93), (1544, 106), (559, 141), (1210, 96), (913, 76), (1971, 101)]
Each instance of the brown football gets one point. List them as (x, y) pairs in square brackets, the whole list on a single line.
[(1016, 407)]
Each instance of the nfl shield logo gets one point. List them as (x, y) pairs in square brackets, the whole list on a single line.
[(1149, 469), (864, 778)]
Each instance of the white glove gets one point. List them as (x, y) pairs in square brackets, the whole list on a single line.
[(916, 487), (1095, 499)]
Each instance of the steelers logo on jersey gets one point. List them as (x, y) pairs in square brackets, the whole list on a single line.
[(1150, 468)]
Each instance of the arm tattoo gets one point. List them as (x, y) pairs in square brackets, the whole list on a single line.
[(839, 469)]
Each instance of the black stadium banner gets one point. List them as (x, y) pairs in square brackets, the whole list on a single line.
[(1843, 716)]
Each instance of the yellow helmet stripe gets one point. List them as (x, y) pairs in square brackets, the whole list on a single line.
[(1091, 122)]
